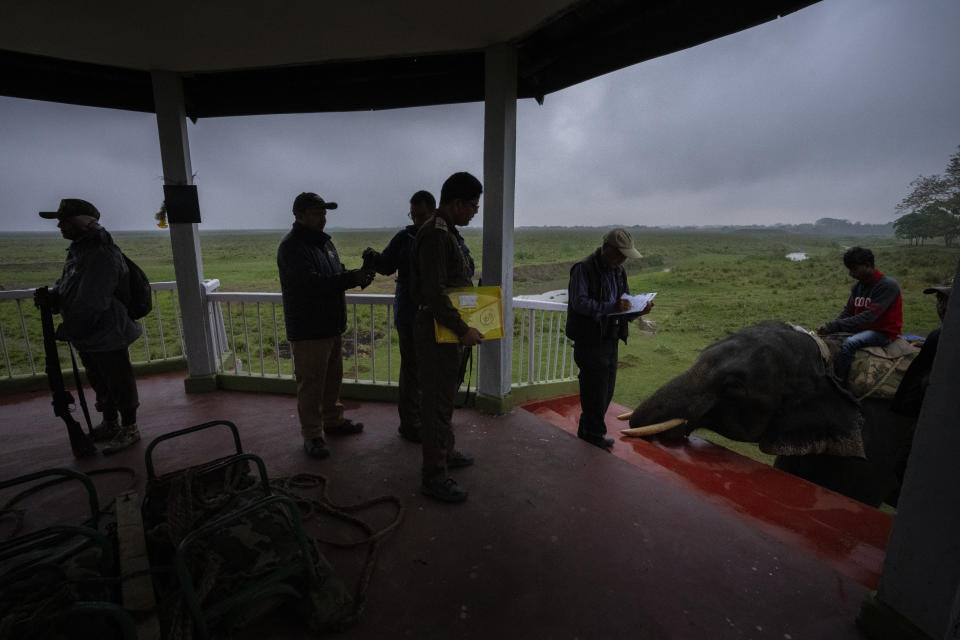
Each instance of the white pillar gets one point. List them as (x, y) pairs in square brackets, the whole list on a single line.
[(499, 172), (184, 238), (921, 572)]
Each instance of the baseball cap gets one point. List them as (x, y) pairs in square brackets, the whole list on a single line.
[(944, 288), (70, 207), (623, 241), (310, 200)]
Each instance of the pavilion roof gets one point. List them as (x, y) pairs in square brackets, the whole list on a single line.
[(243, 57)]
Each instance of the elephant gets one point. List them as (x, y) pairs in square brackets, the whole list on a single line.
[(769, 384)]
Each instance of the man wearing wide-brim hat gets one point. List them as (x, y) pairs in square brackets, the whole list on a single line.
[(594, 294), (95, 319)]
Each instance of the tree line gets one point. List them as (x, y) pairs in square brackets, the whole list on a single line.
[(932, 209)]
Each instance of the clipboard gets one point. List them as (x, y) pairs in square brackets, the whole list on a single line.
[(480, 307)]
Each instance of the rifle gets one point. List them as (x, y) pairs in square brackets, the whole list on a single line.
[(62, 399)]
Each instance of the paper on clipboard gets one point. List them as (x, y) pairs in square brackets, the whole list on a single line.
[(637, 303), (480, 307)]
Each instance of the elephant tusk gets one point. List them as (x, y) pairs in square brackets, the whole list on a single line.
[(625, 416), (652, 429)]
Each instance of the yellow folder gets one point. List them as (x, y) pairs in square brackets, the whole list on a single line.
[(480, 307)]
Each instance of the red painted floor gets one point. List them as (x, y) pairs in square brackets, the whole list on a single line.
[(850, 536), (558, 539)]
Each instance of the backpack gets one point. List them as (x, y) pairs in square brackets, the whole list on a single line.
[(138, 296)]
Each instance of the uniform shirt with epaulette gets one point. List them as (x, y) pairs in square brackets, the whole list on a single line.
[(438, 265)]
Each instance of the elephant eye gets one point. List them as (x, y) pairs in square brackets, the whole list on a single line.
[(734, 385)]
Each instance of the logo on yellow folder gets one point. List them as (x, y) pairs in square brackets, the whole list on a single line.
[(480, 307)]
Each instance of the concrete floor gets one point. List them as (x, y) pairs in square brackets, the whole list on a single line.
[(558, 539)]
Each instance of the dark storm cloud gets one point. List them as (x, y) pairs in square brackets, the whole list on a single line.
[(830, 111), (370, 163), (49, 151)]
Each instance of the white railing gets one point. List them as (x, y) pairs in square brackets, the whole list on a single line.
[(253, 340), (21, 337), (545, 354), (250, 337)]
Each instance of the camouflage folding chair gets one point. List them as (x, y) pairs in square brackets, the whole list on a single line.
[(238, 551), (61, 577), (186, 498), (244, 564)]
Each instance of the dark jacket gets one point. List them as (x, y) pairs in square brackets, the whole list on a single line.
[(438, 265), (313, 282), (592, 294), (876, 306), (94, 318), (396, 258), (913, 387)]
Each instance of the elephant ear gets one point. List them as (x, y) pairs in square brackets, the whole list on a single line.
[(817, 417)]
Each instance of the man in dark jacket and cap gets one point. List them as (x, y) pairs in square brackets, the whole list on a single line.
[(395, 258), (313, 282), (95, 320)]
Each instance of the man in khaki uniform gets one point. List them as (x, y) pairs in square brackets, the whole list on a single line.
[(439, 264)]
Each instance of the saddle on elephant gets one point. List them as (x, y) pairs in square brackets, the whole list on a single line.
[(876, 371)]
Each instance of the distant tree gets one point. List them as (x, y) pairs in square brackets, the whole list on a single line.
[(929, 222), (933, 206), (829, 223), (909, 227), (843, 227), (942, 223)]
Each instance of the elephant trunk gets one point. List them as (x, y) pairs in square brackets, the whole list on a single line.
[(674, 408)]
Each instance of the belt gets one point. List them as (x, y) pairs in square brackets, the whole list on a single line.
[(423, 307)]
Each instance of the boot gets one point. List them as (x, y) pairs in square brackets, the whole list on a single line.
[(106, 430), (127, 435), (347, 427), (459, 459), (316, 448), (443, 489)]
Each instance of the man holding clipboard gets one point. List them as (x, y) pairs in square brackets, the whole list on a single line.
[(598, 314), (437, 265)]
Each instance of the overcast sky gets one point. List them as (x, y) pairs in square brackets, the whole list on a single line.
[(828, 112)]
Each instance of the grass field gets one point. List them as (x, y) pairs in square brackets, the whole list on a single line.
[(709, 284)]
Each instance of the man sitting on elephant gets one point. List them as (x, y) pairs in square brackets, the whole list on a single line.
[(873, 313)]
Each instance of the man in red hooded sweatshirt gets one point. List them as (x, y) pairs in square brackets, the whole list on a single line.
[(874, 311)]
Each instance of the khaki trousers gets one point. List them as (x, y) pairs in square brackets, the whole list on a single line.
[(439, 368), (318, 369)]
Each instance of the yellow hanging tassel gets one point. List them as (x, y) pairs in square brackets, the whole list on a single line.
[(161, 216)]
